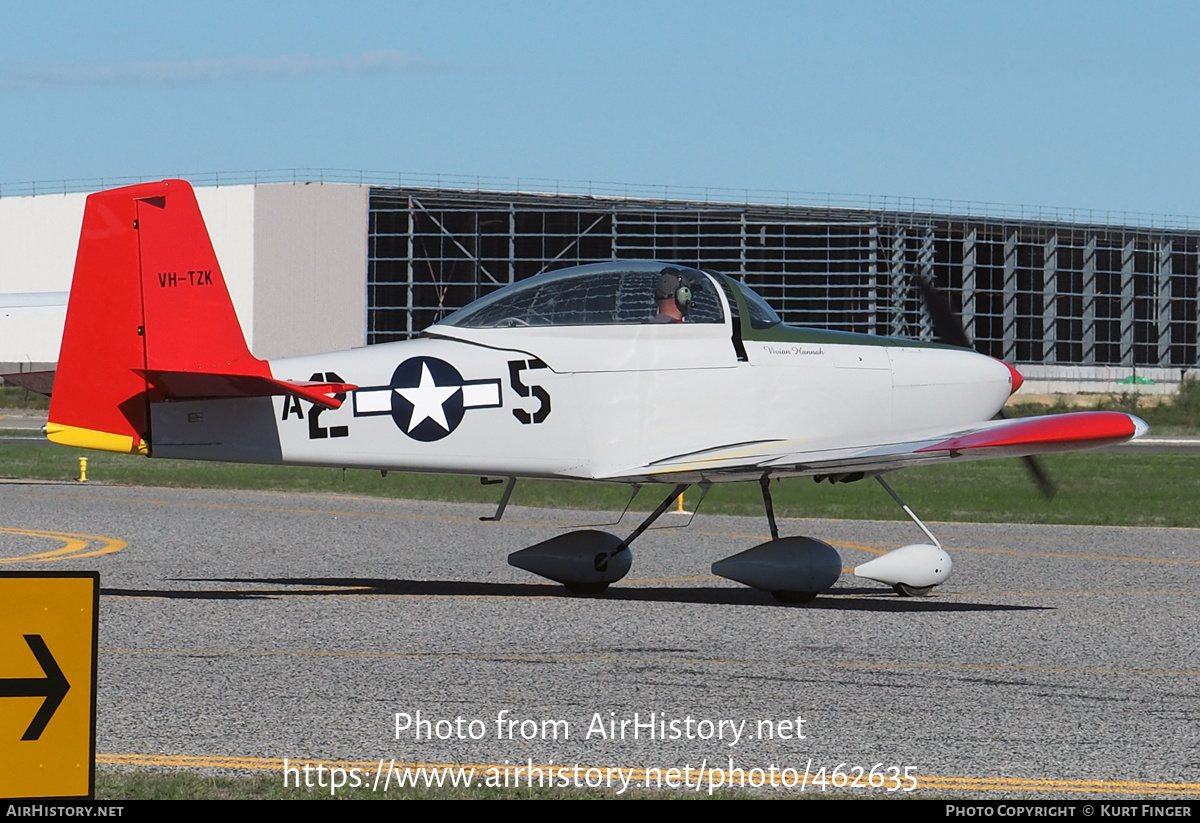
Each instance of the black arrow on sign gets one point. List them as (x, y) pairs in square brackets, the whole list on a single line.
[(53, 686)]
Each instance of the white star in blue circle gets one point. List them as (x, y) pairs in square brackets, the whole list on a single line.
[(427, 401)]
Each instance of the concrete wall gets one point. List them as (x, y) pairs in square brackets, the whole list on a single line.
[(31, 325), (38, 238), (229, 215), (310, 268), (294, 258), (1040, 380)]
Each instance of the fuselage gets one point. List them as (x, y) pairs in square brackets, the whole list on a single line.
[(595, 400)]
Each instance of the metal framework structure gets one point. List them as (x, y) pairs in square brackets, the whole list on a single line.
[(1028, 291)]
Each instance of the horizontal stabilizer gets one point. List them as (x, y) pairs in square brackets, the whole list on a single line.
[(180, 385), (40, 382)]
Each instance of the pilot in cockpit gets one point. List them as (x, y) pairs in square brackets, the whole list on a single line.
[(673, 293)]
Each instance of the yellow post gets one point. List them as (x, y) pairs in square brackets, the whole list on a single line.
[(679, 504), (83, 470)]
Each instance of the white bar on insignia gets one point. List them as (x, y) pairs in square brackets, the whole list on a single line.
[(373, 400), (481, 395)]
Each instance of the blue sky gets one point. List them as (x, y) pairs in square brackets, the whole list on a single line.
[(1092, 105)]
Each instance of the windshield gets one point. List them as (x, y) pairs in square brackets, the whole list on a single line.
[(602, 294), (762, 316)]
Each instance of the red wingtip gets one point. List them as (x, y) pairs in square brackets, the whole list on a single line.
[(1055, 432)]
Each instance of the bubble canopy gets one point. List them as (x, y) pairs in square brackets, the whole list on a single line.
[(620, 292)]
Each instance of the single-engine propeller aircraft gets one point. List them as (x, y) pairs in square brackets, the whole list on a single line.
[(628, 372)]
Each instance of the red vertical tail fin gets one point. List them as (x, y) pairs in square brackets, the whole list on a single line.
[(147, 300)]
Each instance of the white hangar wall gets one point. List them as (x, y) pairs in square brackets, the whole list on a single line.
[(38, 238), (229, 215), (310, 268), (294, 258)]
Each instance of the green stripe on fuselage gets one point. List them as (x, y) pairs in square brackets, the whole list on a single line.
[(783, 333)]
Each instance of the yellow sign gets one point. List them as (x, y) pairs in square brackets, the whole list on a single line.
[(48, 683)]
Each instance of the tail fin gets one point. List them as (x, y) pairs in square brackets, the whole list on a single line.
[(150, 318)]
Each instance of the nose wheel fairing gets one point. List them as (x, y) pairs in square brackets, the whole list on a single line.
[(912, 571)]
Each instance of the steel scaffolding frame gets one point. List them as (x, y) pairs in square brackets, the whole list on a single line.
[(1028, 291)]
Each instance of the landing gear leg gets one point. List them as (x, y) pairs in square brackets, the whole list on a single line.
[(764, 483), (907, 510), (654, 515), (602, 562)]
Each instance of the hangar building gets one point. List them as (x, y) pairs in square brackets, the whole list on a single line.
[(1080, 300)]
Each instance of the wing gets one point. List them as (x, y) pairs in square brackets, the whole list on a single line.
[(41, 382), (997, 438)]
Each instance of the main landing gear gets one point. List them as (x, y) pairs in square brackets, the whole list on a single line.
[(797, 569), (792, 569), (587, 561)]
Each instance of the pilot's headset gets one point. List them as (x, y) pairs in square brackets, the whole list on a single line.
[(671, 284)]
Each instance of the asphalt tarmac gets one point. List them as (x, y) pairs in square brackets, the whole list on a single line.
[(238, 629)]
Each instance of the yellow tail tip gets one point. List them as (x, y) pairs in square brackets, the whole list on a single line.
[(91, 439)]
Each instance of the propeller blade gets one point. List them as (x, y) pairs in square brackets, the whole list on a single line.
[(1037, 471), (948, 328)]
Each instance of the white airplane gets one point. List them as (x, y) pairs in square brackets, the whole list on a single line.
[(627, 372)]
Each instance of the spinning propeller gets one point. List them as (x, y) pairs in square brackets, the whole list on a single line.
[(948, 328)]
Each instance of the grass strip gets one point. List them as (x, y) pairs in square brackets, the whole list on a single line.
[(1108, 489)]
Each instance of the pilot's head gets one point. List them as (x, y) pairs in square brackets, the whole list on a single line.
[(676, 286)]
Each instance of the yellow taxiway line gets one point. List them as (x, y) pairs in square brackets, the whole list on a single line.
[(75, 546), (644, 775)]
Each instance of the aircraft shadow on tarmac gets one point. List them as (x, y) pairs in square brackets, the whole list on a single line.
[(841, 599)]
